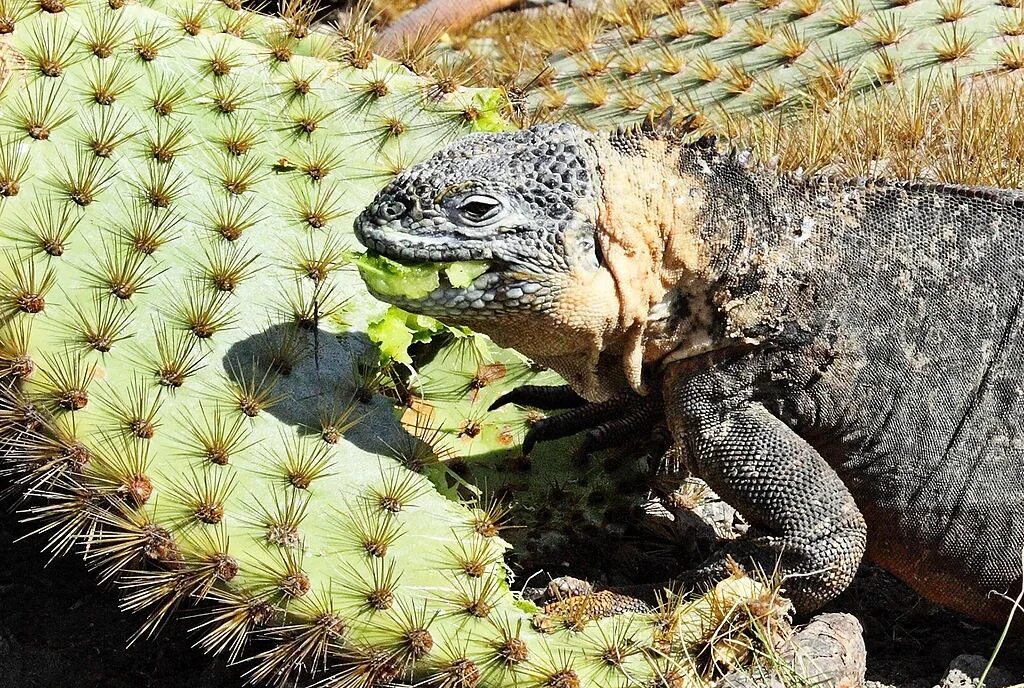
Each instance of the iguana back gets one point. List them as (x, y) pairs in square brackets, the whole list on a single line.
[(905, 299)]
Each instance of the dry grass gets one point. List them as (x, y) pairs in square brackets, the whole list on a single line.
[(1017, 606), (960, 132), (969, 132), (924, 129)]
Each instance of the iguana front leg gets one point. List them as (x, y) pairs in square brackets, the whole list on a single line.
[(603, 424), (805, 523)]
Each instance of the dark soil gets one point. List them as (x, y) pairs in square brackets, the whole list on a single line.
[(59, 630), (911, 641)]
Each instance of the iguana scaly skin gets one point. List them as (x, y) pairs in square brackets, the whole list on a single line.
[(839, 360)]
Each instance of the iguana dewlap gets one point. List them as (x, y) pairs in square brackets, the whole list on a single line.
[(842, 361)]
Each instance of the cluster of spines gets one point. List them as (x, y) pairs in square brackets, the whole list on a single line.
[(924, 130)]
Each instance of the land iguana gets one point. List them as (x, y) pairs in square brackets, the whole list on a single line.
[(842, 361)]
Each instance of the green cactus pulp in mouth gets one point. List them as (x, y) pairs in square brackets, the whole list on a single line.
[(389, 277)]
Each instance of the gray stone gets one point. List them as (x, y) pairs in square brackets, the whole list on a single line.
[(965, 670), (828, 653)]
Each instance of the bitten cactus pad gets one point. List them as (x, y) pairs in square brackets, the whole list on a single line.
[(190, 390)]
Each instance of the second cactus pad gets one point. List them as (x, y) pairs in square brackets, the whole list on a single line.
[(616, 62)]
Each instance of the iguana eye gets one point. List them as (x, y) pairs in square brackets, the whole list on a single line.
[(477, 209)]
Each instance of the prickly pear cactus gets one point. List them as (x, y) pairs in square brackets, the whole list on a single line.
[(191, 394), (617, 62)]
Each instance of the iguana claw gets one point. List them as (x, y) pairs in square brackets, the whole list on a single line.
[(544, 397)]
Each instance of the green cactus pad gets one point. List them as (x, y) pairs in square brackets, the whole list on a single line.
[(193, 398), (624, 60)]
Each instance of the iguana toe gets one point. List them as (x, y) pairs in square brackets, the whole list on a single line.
[(607, 423)]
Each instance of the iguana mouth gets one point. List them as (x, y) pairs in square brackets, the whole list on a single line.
[(418, 259), (431, 275), (395, 242), (434, 288), (411, 255)]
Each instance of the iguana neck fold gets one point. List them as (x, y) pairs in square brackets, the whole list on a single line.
[(659, 249)]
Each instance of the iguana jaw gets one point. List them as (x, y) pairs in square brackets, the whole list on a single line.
[(559, 319), (500, 288)]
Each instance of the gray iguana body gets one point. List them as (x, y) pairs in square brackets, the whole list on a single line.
[(841, 361)]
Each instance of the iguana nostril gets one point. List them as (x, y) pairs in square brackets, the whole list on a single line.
[(391, 210)]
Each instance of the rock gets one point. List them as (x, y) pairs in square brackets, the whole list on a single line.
[(827, 653), (830, 651), (965, 670)]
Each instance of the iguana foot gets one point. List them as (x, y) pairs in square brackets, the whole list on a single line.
[(605, 424)]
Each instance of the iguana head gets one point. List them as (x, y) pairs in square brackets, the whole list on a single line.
[(524, 203), (567, 234)]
